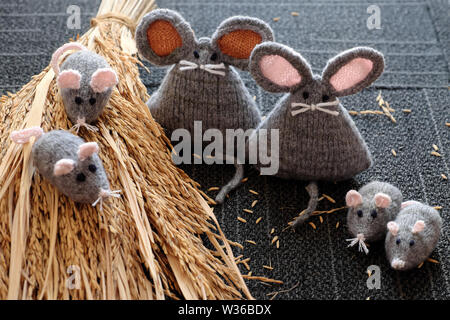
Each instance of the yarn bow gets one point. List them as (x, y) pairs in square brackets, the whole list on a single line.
[(211, 68), (314, 107)]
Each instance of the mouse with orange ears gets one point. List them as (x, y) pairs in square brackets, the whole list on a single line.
[(69, 163), (201, 84)]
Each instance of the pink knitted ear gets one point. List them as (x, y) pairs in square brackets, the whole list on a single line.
[(69, 79), (280, 71), (419, 226), (382, 200), (353, 199), (86, 150), (393, 228), (63, 166), (351, 74), (103, 79)]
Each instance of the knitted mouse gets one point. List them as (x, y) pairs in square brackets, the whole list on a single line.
[(201, 84), (69, 163), (413, 235), (318, 140), (370, 209), (86, 81)]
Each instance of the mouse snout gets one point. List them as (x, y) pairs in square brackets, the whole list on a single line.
[(360, 236), (397, 264)]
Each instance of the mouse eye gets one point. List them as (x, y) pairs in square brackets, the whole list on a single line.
[(359, 213), (81, 177), (196, 55), (411, 243), (305, 95), (92, 168), (214, 56), (325, 98), (398, 241), (92, 101), (78, 100), (374, 214)]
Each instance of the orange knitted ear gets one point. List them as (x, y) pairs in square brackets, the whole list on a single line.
[(239, 44), (163, 38)]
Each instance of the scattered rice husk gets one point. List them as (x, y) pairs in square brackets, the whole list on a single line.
[(145, 245)]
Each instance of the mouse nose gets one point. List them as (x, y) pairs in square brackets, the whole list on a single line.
[(360, 236), (397, 264)]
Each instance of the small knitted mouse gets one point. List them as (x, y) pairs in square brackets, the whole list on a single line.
[(201, 84), (69, 163), (86, 81), (318, 140), (370, 208), (413, 235)]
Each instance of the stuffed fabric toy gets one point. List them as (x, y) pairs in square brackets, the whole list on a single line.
[(201, 84), (370, 209), (413, 235), (86, 81), (70, 164), (318, 138)]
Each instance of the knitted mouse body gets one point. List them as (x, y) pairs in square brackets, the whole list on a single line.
[(315, 145), (413, 235), (86, 82), (183, 99), (317, 138), (69, 163), (201, 87)]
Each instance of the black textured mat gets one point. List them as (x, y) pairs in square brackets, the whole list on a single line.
[(414, 37)]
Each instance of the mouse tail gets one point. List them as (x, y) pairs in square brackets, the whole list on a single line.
[(24, 136), (57, 54), (233, 183), (313, 192)]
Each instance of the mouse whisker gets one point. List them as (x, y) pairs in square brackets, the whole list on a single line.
[(81, 122), (361, 244), (104, 194)]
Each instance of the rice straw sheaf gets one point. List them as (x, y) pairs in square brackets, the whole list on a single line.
[(148, 244)]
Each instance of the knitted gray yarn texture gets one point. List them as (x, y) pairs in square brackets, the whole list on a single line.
[(315, 145), (83, 184)]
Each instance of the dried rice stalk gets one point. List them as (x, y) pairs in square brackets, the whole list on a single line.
[(145, 245)]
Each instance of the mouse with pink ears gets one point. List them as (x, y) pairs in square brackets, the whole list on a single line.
[(413, 235), (370, 209), (317, 139), (69, 163), (86, 82)]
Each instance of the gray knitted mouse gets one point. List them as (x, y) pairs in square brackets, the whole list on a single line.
[(318, 140), (370, 209), (201, 84), (70, 164), (86, 81), (413, 235)]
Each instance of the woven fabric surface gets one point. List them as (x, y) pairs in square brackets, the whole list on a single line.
[(414, 38)]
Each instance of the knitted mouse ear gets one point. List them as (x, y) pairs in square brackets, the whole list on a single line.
[(86, 150), (163, 37), (63, 166), (353, 70), (69, 79), (278, 68), (236, 37), (353, 199), (103, 79)]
